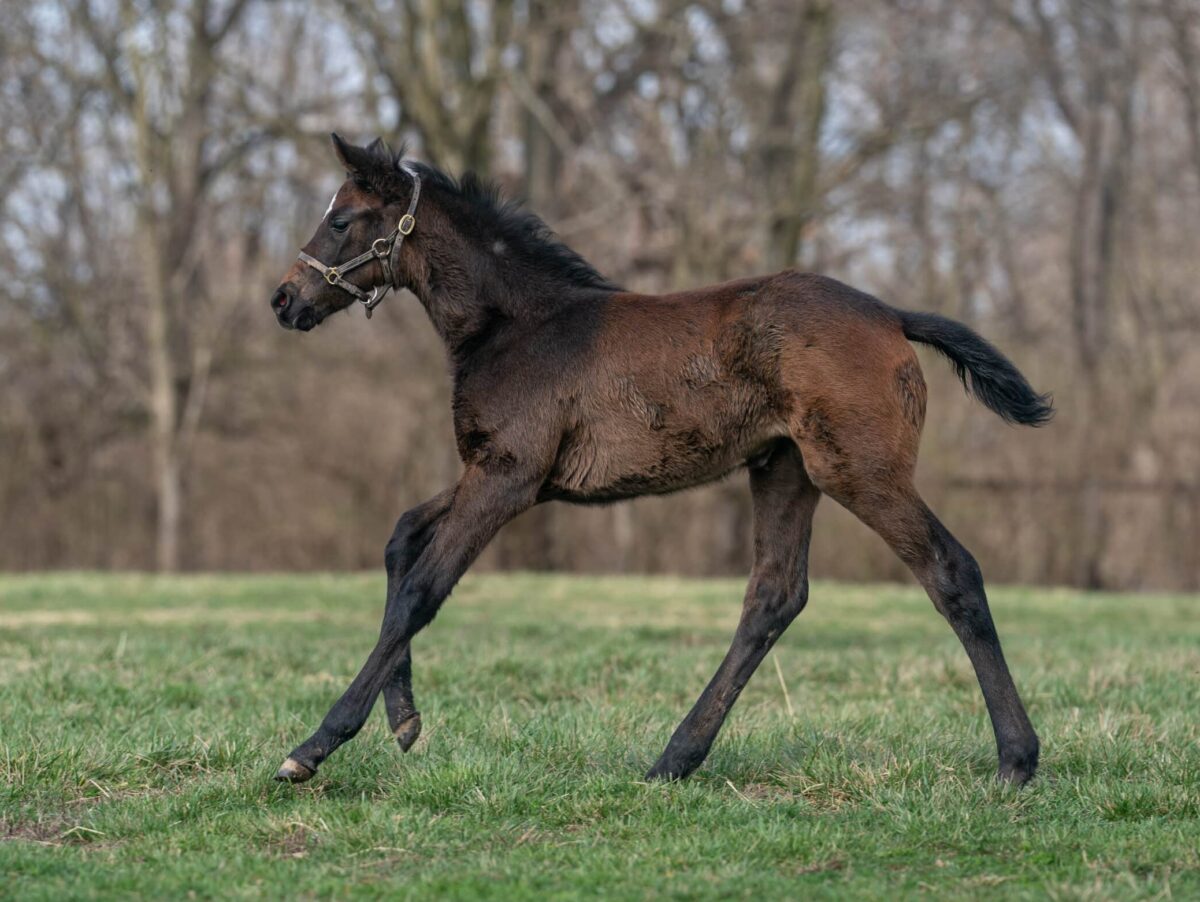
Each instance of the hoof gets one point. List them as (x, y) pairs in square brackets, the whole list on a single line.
[(1018, 769), (667, 773), (1016, 775), (294, 772), (655, 775), (407, 731), (676, 764)]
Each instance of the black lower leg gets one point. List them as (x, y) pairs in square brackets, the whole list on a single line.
[(784, 502), (953, 580), (408, 540), (344, 719), (413, 608), (404, 719), (478, 506), (763, 621), (961, 598)]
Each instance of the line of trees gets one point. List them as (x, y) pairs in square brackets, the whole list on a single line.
[(1031, 167)]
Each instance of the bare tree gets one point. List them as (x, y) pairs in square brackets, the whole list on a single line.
[(1183, 20), (442, 65), (164, 97), (1030, 166)]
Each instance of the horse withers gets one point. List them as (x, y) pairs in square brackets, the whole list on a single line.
[(568, 388)]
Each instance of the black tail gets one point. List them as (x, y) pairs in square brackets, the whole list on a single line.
[(984, 371)]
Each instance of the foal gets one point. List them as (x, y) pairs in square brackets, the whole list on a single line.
[(568, 388)]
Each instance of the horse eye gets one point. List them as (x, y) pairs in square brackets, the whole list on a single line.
[(339, 225)]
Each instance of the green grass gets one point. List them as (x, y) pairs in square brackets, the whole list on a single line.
[(141, 720)]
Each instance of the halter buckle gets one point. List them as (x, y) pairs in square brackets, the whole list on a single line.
[(406, 224)]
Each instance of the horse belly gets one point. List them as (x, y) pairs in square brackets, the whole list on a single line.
[(622, 463)]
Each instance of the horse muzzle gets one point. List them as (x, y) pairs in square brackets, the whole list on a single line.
[(291, 312)]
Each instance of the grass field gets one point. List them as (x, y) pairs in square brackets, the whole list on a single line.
[(141, 720)]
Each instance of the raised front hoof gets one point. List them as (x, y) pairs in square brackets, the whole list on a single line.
[(408, 731), (293, 771)]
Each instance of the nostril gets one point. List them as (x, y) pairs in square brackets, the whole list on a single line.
[(280, 299)]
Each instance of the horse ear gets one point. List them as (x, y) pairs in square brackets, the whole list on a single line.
[(352, 158), (379, 147)]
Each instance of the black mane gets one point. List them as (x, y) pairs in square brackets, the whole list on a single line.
[(524, 233)]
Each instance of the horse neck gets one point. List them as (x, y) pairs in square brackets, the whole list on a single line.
[(468, 295)]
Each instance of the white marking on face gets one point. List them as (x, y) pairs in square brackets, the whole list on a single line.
[(329, 209)]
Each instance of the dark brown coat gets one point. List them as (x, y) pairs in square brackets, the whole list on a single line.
[(568, 388)]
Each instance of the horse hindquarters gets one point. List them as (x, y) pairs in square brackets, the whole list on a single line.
[(860, 448)]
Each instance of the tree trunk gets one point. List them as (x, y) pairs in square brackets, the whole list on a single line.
[(163, 402), (170, 510), (792, 155), (1108, 138), (543, 158), (1182, 18)]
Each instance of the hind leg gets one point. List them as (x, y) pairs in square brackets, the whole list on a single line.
[(858, 431), (952, 579), (784, 501)]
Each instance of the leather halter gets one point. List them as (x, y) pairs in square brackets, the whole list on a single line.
[(382, 249)]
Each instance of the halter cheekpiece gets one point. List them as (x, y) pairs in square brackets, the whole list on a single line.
[(382, 249)]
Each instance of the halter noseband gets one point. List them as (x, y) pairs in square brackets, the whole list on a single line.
[(382, 249)]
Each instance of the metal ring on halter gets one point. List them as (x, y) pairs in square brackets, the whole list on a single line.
[(371, 301)]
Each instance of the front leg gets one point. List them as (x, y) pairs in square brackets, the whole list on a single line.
[(480, 504), (410, 537), (404, 720)]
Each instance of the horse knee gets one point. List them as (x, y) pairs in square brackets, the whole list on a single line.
[(397, 550), (399, 619), (417, 600), (393, 552)]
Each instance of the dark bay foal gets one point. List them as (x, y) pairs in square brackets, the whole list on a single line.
[(568, 388)]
